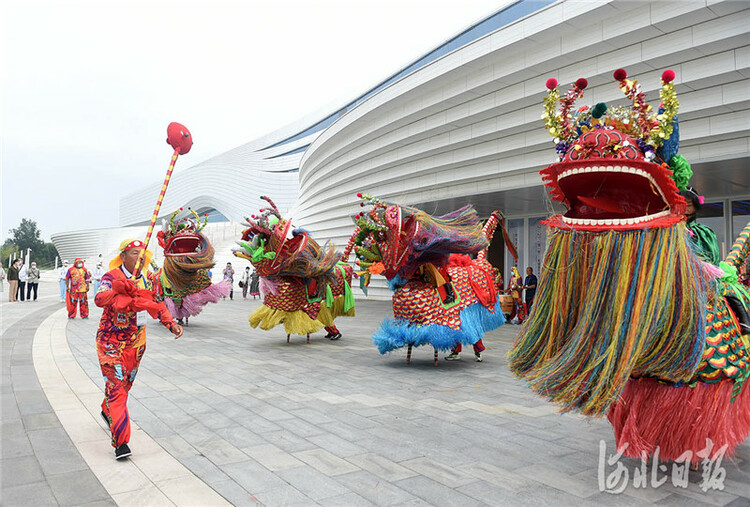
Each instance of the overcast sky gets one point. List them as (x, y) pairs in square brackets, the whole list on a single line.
[(88, 90)]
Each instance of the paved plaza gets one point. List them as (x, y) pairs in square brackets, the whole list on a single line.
[(232, 415)]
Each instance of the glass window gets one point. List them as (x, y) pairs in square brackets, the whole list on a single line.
[(537, 244), (515, 233), (712, 215), (740, 216)]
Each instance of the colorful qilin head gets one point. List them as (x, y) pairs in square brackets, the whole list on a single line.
[(265, 243), (181, 237), (618, 167), (395, 240)]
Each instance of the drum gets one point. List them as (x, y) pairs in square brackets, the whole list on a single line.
[(506, 303)]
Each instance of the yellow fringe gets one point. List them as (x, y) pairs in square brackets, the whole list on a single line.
[(297, 322), (327, 315)]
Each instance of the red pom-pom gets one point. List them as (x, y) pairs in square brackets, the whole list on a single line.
[(252, 216), (205, 214), (362, 204), (180, 209), (667, 76), (581, 83), (359, 194), (551, 83), (620, 74)]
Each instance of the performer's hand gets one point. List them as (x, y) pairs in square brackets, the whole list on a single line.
[(176, 331)]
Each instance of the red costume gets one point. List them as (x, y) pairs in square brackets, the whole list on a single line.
[(121, 339), (77, 281)]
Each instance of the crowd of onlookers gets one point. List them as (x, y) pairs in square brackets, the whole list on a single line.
[(23, 280)]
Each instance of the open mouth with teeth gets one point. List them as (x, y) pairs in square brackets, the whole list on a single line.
[(185, 245), (603, 192)]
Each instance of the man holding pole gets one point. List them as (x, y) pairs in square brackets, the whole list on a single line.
[(126, 296), (121, 337)]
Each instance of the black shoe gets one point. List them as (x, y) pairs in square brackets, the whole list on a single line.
[(329, 336), (122, 452), (336, 336)]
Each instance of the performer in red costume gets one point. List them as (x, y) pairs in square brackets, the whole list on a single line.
[(77, 283), (121, 337)]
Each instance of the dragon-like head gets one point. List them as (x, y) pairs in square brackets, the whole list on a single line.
[(617, 166), (182, 237)]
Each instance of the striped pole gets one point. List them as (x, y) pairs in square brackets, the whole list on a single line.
[(141, 257), (740, 249)]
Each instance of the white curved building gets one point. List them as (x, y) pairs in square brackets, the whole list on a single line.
[(462, 123), (466, 127)]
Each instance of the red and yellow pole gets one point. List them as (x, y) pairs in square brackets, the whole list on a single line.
[(178, 136)]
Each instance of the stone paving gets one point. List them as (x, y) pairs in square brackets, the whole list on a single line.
[(39, 465), (334, 423)]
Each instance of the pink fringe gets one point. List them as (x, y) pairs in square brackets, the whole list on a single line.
[(268, 286), (679, 419), (193, 304), (711, 271)]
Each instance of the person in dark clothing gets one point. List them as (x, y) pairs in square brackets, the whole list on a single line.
[(13, 280), (530, 285)]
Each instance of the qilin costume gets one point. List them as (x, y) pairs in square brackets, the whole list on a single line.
[(629, 322), (183, 282), (441, 296), (305, 286)]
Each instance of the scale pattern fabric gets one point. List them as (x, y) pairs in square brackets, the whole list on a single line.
[(421, 318)]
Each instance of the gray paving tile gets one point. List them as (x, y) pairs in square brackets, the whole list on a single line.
[(347, 500), (234, 493), (313, 483), (283, 495), (77, 488), (20, 471), (375, 490), (40, 421), (38, 493), (434, 492), (252, 476)]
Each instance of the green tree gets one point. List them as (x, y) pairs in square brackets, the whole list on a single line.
[(27, 235)]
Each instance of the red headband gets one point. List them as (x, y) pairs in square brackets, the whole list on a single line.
[(133, 244)]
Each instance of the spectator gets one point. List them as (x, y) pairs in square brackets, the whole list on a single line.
[(32, 282), (61, 274), (13, 281), (2, 278), (255, 284), (245, 282), (23, 275), (530, 285), (229, 275), (97, 275)]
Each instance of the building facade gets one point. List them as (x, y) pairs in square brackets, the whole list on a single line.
[(462, 124)]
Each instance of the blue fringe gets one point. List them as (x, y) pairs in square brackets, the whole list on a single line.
[(475, 321)]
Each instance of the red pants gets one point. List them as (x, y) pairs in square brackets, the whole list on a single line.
[(478, 347), (119, 369), (73, 300)]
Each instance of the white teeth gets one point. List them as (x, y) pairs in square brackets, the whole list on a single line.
[(586, 221), (615, 221), (587, 169)]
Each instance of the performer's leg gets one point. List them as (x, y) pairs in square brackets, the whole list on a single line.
[(333, 332), (22, 290), (71, 304), (63, 290), (478, 349), (119, 372), (36, 288), (455, 353), (84, 306), (244, 291)]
